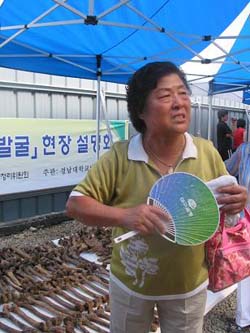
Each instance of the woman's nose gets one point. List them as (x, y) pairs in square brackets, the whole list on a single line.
[(177, 99)]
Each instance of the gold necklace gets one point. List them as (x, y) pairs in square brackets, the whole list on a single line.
[(169, 166)]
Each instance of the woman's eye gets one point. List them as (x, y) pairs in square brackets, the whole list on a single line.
[(165, 96)]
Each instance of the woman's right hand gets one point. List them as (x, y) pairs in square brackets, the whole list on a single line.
[(145, 219)]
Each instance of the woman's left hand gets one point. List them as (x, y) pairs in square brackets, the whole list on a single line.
[(233, 198)]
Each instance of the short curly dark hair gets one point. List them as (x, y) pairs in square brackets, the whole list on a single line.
[(241, 123), (221, 114), (143, 81)]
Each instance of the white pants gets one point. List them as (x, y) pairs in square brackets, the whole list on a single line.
[(243, 303), (130, 314)]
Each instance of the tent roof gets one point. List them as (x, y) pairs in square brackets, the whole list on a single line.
[(246, 96), (234, 74), (113, 38)]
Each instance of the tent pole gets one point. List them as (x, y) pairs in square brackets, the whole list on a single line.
[(248, 122), (98, 103), (198, 130), (105, 115), (210, 109), (98, 107)]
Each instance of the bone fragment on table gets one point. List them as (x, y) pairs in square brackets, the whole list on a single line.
[(98, 279), (79, 306), (45, 317), (101, 313), (13, 278), (77, 293), (83, 328), (42, 270), (57, 307), (36, 273), (15, 320), (26, 278), (107, 307), (85, 321), (11, 283), (101, 291), (8, 329), (21, 253), (40, 325), (94, 317), (65, 303), (46, 306)]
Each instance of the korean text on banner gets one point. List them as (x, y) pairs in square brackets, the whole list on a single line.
[(45, 153)]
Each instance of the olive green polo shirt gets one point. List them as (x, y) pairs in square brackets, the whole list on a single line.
[(151, 266)]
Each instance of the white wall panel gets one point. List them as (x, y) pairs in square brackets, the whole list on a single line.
[(25, 77), (42, 105), (25, 104), (122, 109), (216, 100), (112, 110), (87, 84), (72, 82), (228, 102), (7, 74), (58, 81), (192, 123), (121, 89), (8, 105), (42, 79), (109, 86), (222, 102), (58, 102), (73, 107), (87, 107), (204, 100)]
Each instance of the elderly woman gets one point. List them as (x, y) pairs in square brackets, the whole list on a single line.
[(147, 270)]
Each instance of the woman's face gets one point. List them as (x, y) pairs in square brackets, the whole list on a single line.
[(167, 109)]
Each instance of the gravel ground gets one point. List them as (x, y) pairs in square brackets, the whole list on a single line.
[(221, 319)]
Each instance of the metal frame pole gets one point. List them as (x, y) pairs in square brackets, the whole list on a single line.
[(210, 109)]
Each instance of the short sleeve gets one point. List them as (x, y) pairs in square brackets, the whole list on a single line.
[(99, 182)]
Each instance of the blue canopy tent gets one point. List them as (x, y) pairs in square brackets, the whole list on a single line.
[(234, 74), (108, 40), (227, 61), (227, 58), (246, 96)]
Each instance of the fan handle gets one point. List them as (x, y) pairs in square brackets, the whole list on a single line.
[(125, 236)]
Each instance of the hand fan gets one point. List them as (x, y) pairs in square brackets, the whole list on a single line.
[(190, 204)]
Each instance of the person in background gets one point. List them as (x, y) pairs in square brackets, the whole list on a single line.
[(233, 124), (239, 135), (239, 165), (224, 135), (147, 270)]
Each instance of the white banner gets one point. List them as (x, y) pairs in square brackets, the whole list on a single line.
[(45, 153)]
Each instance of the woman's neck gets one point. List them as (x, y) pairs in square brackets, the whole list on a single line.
[(164, 146), (165, 152)]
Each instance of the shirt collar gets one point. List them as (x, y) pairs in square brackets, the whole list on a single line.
[(136, 151)]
